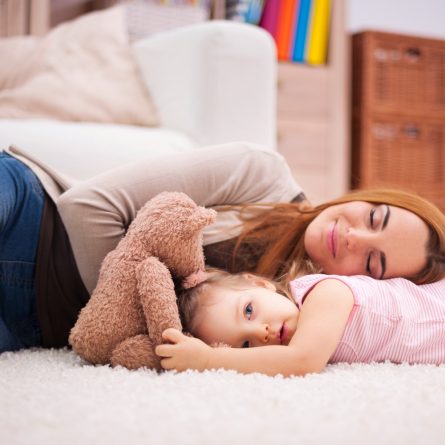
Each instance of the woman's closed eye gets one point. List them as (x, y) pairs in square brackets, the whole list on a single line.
[(372, 224), (371, 217), (368, 265), (376, 261)]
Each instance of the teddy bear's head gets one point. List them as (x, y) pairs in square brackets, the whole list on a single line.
[(169, 227)]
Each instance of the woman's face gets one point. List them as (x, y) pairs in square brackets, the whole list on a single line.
[(359, 238)]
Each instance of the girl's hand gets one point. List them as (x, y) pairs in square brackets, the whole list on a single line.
[(183, 352)]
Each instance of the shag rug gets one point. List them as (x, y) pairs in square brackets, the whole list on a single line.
[(53, 397)]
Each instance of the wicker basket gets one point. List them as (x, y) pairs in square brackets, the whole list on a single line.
[(402, 152), (399, 74), (399, 114)]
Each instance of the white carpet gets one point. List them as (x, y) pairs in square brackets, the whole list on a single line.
[(52, 397)]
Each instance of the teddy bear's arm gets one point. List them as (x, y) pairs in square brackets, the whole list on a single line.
[(136, 352), (158, 299)]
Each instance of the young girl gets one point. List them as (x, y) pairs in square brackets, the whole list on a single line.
[(327, 319)]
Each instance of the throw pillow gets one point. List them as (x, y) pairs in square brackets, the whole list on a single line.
[(81, 70)]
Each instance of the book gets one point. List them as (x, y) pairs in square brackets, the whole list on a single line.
[(300, 38), (318, 38), (286, 25), (254, 13), (248, 11), (269, 18)]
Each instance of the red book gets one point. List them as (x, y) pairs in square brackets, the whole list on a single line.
[(269, 18), (286, 26)]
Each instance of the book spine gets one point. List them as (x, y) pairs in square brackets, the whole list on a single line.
[(269, 19), (301, 31), (285, 25), (253, 15), (248, 11), (293, 30), (318, 42)]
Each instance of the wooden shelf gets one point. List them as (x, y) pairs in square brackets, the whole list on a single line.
[(313, 117)]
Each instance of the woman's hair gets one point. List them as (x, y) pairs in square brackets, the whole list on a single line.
[(189, 299), (277, 231)]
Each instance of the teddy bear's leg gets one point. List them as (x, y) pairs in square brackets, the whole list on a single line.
[(136, 352), (158, 299)]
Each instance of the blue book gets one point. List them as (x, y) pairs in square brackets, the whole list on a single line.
[(301, 31)]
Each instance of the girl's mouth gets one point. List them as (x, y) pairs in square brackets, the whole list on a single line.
[(283, 334)]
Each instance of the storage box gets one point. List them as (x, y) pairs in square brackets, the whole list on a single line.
[(398, 74), (398, 114)]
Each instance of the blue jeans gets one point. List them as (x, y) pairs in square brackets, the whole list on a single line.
[(21, 206)]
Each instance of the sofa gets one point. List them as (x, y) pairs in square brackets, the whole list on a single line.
[(210, 83)]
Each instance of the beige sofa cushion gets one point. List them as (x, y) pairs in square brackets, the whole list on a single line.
[(80, 71)]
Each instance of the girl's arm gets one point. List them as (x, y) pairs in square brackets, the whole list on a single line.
[(320, 327), (97, 212)]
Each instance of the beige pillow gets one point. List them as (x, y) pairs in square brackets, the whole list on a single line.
[(80, 71)]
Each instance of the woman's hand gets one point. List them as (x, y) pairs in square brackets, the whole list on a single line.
[(183, 352)]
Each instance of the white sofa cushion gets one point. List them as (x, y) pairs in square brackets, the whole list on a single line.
[(215, 81), (81, 150)]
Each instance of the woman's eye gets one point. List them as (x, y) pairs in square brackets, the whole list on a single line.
[(248, 311), (246, 344), (371, 217), (368, 265)]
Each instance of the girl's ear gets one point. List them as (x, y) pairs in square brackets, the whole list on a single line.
[(258, 281)]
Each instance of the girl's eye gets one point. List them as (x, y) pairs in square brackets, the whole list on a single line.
[(371, 217), (248, 311), (246, 344)]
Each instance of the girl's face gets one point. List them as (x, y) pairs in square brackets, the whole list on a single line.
[(359, 238), (246, 317)]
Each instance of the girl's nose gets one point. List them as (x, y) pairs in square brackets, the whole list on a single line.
[(263, 333)]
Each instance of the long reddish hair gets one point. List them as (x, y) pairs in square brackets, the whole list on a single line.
[(277, 231)]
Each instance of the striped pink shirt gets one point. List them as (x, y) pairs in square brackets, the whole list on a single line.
[(392, 320)]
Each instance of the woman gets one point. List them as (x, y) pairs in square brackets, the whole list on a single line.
[(285, 238), (379, 233)]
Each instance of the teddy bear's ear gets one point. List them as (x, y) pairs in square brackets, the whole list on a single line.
[(202, 217), (194, 279)]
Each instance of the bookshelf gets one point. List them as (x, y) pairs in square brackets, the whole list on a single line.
[(313, 116), (36, 17)]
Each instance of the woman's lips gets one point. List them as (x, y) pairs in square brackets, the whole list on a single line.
[(331, 239)]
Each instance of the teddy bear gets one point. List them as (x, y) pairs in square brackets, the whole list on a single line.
[(135, 299)]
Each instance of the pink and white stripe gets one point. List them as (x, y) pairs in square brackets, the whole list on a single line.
[(393, 320)]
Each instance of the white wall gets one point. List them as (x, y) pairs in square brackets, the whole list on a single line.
[(417, 17)]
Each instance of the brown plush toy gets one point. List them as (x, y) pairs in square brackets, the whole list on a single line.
[(135, 300)]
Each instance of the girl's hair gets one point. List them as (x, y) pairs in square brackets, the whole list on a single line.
[(189, 301), (277, 231)]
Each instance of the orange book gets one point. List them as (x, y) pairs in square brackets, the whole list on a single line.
[(286, 18)]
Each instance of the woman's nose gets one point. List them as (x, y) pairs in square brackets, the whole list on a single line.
[(355, 239)]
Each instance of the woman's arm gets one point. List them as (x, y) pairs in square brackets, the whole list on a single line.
[(320, 327), (97, 212)]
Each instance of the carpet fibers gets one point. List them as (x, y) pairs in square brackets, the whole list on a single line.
[(53, 397)]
